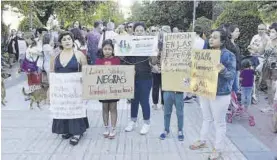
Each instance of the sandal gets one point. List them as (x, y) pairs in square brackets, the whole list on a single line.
[(198, 145), (75, 140), (66, 136), (215, 155)]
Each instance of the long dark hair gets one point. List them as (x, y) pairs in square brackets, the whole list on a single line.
[(273, 26), (107, 42), (77, 33), (65, 34), (80, 26), (230, 30), (46, 39)]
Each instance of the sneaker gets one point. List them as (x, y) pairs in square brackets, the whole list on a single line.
[(145, 129), (155, 106), (267, 110), (180, 136), (112, 133), (130, 127), (163, 135), (188, 99), (106, 133), (198, 145)]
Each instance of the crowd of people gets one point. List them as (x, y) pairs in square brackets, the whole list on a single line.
[(73, 48)]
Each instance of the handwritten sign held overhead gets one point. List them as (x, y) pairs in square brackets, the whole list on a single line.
[(136, 45), (176, 61), (204, 74), (66, 96), (108, 82)]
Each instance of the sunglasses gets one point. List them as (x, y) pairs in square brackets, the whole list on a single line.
[(153, 30), (130, 26)]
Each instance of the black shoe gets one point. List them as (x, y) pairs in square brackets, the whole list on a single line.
[(188, 99), (75, 139), (66, 136)]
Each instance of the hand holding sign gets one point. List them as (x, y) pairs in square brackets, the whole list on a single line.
[(220, 67)]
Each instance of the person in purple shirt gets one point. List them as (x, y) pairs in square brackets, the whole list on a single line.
[(93, 38), (247, 81)]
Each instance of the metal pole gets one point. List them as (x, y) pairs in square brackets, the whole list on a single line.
[(31, 16), (194, 12)]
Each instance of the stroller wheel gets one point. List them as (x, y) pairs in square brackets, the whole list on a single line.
[(229, 118), (252, 121)]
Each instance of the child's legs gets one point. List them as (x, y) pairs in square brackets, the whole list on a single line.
[(243, 95), (113, 111), (105, 113), (248, 96)]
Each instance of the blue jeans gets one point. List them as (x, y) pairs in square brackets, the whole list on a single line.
[(246, 96), (170, 99), (235, 86), (93, 56), (142, 93)]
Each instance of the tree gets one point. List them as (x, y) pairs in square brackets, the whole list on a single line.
[(268, 11), (205, 23), (44, 9), (243, 14), (173, 13), (25, 24)]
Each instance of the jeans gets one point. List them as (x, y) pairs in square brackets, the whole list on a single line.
[(246, 96), (170, 99), (235, 87), (157, 85), (142, 93), (271, 91), (93, 56), (214, 112)]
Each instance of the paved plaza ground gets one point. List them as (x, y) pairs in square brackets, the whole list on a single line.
[(26, 134)]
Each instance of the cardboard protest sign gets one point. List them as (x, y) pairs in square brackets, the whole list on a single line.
[(136, 45), (204, 73), (108, 82), (66, 96), (176, 61), (22, 47)]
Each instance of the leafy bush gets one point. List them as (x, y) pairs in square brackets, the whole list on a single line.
[(245, 15), (204, 22), (24, 25)]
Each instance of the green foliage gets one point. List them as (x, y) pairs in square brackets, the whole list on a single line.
[(25, 24), (268, 11), (86, 12), (173, 13), (243, 14), (205, 23)]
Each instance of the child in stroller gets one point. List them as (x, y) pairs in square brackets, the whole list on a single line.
[(241, 102)]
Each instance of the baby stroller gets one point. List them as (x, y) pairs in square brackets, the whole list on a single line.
[(237, 110), (235, 107)]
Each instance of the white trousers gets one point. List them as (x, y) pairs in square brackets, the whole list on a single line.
[(214, 112)]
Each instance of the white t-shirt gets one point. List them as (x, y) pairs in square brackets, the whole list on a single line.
[(198, 43), (109, 35), (260, 43), (32, 53)]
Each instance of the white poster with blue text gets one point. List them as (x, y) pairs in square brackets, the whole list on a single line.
[(126, 45)]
